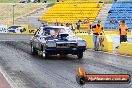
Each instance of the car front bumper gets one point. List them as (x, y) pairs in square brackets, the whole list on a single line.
[(54, 50)]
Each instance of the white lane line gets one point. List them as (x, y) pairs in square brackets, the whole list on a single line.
[(8, 79)]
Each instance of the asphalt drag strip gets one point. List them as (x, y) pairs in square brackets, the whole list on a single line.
[(3, 82), (29, 71)]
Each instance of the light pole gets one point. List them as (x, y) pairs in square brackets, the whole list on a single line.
[(13, 12)]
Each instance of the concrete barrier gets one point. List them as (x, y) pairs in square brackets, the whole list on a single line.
[(80, 31), (116, 32), (105, 41), (116, 39), (106, 32), (125, 48), (87, 38)]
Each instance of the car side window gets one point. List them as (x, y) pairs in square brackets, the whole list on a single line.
[(39, 32), (52, 32), (46, 31)]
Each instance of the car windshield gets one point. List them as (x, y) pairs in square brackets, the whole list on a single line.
[(57, 31)]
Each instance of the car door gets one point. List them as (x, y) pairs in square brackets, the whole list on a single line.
[(36, 39)]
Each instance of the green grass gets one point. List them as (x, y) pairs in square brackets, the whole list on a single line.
[(9, 1), (21, 9)]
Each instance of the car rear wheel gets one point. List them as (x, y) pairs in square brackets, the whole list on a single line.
[(33, 51), (80, 55)]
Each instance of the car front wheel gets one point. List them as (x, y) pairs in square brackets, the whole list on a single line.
[(80, 55), (33, 51), (46, 55)]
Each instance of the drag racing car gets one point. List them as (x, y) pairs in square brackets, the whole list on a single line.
[(54, 40)]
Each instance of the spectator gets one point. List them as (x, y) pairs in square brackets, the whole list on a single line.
[(43, 24), (109, 12), (116, 21), (89, 26), (110, 21), (68, 24), (56, 23), (46, 24), (98, 6), (72, 27), (78, 24), (62, 24), (97, 30), (123, 31), (85, 21), (100, 1), (113, 21)]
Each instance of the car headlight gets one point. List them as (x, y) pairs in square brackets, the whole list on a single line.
[(51, 44), (81, 43)]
